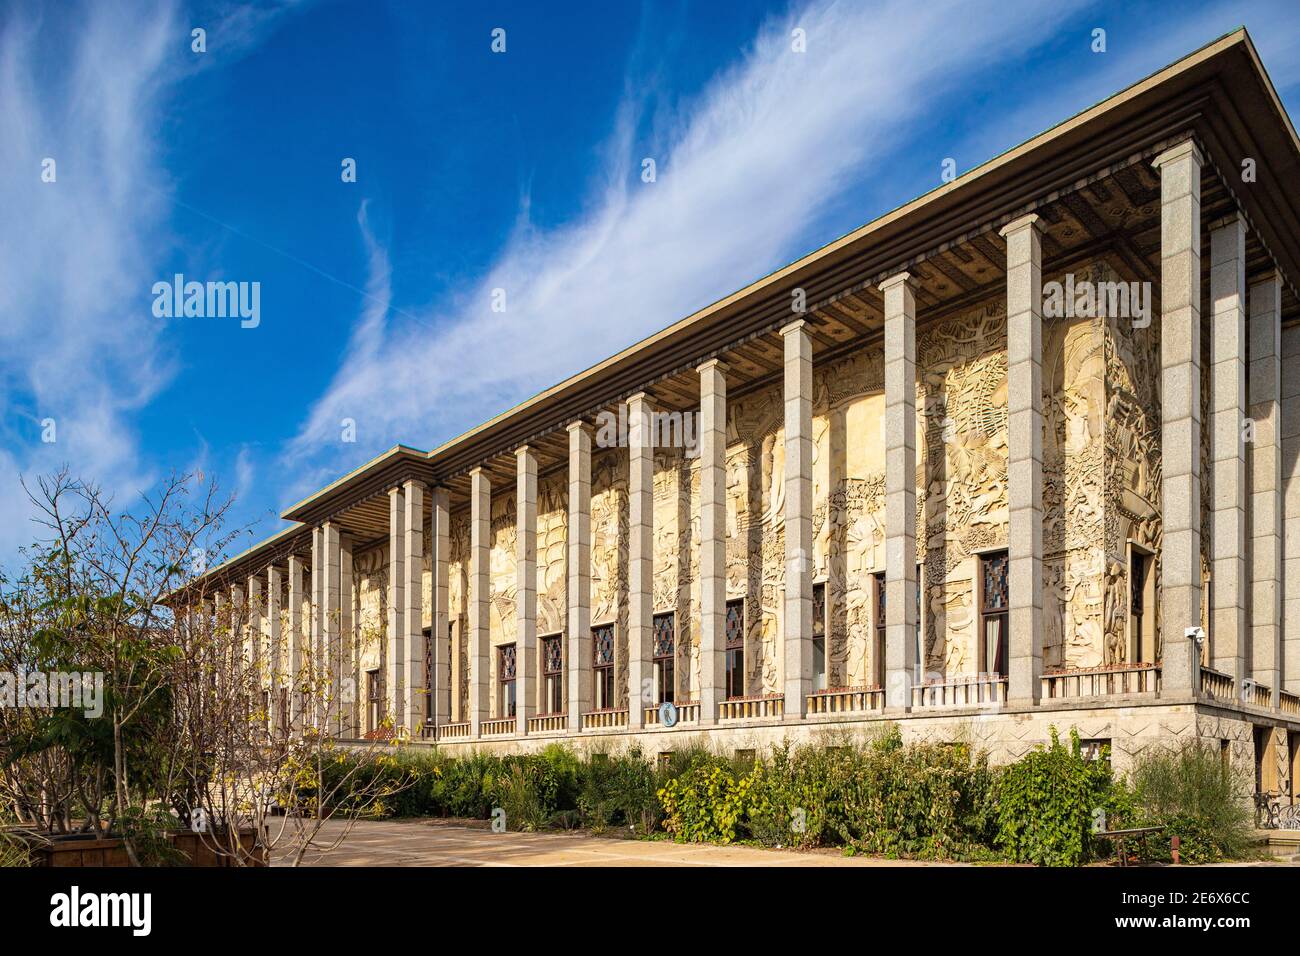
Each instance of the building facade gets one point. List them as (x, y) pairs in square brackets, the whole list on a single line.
[(1021, 454)]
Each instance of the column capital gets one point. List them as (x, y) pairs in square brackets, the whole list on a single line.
[(1016, 225), (896, 279), (1187, 148), (524, 451), (637, 398), (712, 365), (1234, 218), (577, 425), (795, 326)]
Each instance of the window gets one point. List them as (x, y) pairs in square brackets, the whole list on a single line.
[(1096, 750), (665, 656), (819, 636), (428, 673), (374, 700), (920, 644), (602, 665), (553, 674), (878, 629), (735, 648), (1141, 623), (994, 604), (506, 677)]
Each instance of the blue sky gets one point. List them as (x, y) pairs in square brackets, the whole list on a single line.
[(475, 171)]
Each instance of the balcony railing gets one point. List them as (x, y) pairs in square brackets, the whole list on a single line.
[(456, 731), (749, 708), (547, 723), (499, 727), (1257, 694), (1216, 685), (1289, 703), (688, 712), (974, 690), (846, 700), (1111, 680), (599, 719)]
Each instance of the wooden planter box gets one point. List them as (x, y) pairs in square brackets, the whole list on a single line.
[(79, 850)]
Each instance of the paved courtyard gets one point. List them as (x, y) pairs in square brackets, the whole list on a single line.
[(445, 843)]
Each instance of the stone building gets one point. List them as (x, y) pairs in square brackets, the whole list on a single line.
[(1022, 453)]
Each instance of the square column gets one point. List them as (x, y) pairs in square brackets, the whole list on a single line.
[(578, 590), (640, 557), (480, 544), (297, 639), (314, 665), (1265, 381), (416, 703), (713, 538), (331, 665), (1290, 664), (1180, 435), (275, 644), (440, 682), (396, 670), (1228, 582), (348, 654), (901, 664), (798, 618), (1025, 458), (526, 586), (255, 635)]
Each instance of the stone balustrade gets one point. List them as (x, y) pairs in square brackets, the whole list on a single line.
[(688, 712), (500, 727), (1257, 695), (846, 700), (973, 690), (1216, 685), (1289, 703), (547, 723), (455, 731), (1110, 680), (601, 719), (750, 708)]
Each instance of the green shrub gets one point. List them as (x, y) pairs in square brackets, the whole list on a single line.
[(710, 803), (1047, 801), (1195, 795)]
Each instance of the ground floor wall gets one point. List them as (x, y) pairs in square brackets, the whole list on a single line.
[(1253, 744)]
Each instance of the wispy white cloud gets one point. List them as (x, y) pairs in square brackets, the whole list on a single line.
[(87, 86), (741, 172)]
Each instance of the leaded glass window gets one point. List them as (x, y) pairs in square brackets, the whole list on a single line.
[(665, 656), (995, 602), (602, 660), (603, 646), (506, 672), (735, 648), (553, 673)]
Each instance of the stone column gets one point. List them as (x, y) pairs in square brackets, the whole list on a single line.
[(640, 557), (480, 531), (256, 628), (526, 587), (440, 683), (713, 538), (1025, 458), (1265, 381), (315, 664), (296, 640), (1180, 370), (578, 592), (901, 663), (275, 644), (349, 655), (1228, 626), (412, 716), (1290, 664), (331, 593), (396, 670), (276, 641), (798, 519)]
